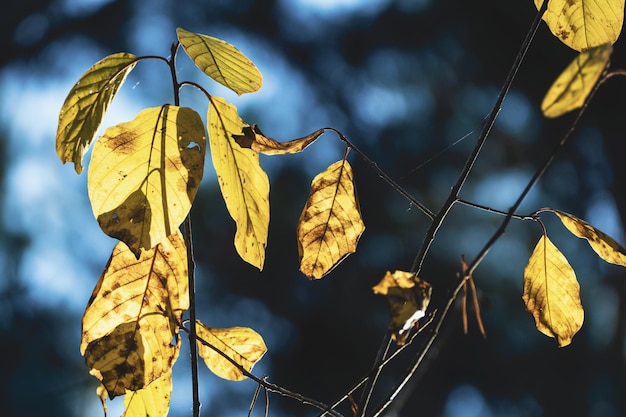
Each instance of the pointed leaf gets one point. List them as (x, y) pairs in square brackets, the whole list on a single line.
[(242, 345), (144, 175), (604, 245), (573, 86), (151, 401), (330, 224), (133, 315), (408, 298), (85, 106), (552, 293), (221, 61), (253, 138), (244, 185), (584, 24)]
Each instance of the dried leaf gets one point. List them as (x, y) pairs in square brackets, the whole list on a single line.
[(252, 138), (330, 224), (151, 401), (408, 298), (552, 293), (143, 175)]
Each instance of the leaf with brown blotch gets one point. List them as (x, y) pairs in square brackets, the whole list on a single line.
[(221, 61), (86, 104), (133, 315), (330, 224), (408, 298), (254, 139), (572, 87), (242, 345), (151, 401), (604, 245), (244, 185), (552, 293), (144, 175)]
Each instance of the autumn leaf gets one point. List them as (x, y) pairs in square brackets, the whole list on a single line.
[(133, 315), (604, 245), (151, 401), (244, 185), (242, 345), (552, 293), (408, 298), (221, 61), (584, 24), (330, 224), (144, 174), (254, 139), (86, 104), (573, 86)]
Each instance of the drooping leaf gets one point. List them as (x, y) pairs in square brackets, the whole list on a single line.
[(86, 104), (604, 245), (574, 84), (584, 24), (241, 344), (221, 61), (552, 293), (151, 401), (244, 185), (254, 139), (144, 174), (132, 315), (330, 224), (408, 298)]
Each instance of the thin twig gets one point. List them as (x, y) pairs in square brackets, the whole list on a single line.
[(371, 382)]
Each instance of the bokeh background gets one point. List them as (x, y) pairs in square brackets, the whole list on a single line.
[(409, 82)]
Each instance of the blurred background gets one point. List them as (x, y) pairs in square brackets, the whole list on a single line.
[(410, 83)]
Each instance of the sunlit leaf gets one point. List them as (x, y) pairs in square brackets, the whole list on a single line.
[(604, 245), (85, 106), (144, 174), (572, 87), (552, 293), (584, 24), (244, 185), (408, 298), (221, 61), (253, 138), (241, 344), (131, 318), (102, 394), (330, 224), (151, 401)]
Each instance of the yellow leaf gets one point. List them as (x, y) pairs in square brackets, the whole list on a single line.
[(604, 245), (584, 24), (252, 138), (408, 298), (133, 314), (221, 61), (244, 185), (144, 174), (151, 401), (241, 344), (85, 106), (552, 293), (330, 224), (573, 85)]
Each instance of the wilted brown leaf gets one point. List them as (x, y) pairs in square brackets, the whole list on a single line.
[(254, 139)]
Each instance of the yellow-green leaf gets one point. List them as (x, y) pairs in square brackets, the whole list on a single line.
[(604, 245), (144, 174), (151, 401), (330, 224), (133, 315), (584, 24), (254, 139), (572, 87), (85, 106), (221, 61), (408, 298), (552, 293), (244, 185), (242, 345)]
